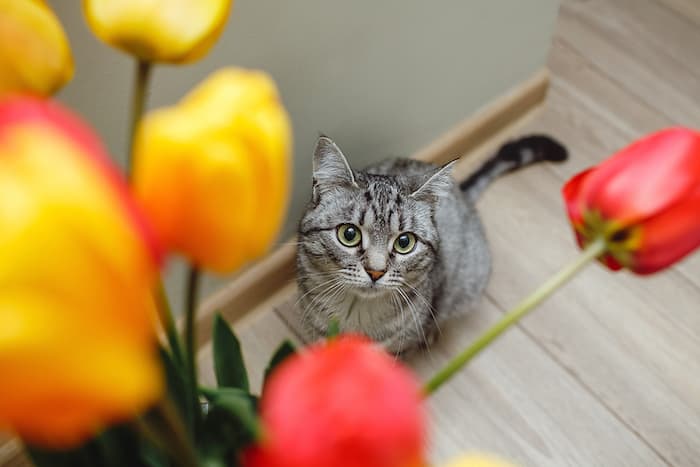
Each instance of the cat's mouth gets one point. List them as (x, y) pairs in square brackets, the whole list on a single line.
[(370, 291)]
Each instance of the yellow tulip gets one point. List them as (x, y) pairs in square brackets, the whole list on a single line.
[(77, 328), (212, 172), (172, 31), (478, 460), (35, 56)]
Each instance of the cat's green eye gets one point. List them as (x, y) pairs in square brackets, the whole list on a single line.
[(349, 235), (405, 243)]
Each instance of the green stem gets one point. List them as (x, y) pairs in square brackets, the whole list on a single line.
[(167, 432), (166, 319), (138, 102), (190, 347), (592, 251)]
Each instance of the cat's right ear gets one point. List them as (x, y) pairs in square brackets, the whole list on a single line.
[(331, 168)]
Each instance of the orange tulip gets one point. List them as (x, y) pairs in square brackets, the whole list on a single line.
[(212, 172), (172, 31), (35, 56), (643, 201), (77, 331)]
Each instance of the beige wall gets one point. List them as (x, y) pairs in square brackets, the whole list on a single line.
[(381, 77)]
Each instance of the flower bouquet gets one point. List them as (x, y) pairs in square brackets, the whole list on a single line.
[(95, 370)]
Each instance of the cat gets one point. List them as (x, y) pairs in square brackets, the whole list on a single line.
[(392, 250)]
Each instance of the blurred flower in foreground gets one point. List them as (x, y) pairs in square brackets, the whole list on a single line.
[(343, 403), (477, 460), (77, 335), (212, 172), (172, 31), (35, 56), (644, 202)]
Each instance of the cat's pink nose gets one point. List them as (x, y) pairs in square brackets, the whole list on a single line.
[(375, 275)]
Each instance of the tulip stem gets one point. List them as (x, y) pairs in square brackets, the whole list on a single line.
[(591, 252), (166, 430), (190, 311), (166, 320), (138, 103)]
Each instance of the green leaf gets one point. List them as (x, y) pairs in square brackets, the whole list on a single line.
[(80, 457), (286, 349), (228, 361), (177, 389), (115, 447), (119, 446), (232, 418), (151, 456)]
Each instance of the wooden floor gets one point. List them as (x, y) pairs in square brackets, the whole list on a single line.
[(607, 372)]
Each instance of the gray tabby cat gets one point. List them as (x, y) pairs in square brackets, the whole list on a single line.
[(392, 250)]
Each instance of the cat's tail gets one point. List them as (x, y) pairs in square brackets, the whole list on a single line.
[(512, 156)]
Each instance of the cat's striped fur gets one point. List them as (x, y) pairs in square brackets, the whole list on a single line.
[(372, 288)]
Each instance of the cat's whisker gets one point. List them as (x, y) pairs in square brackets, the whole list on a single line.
[(334, 294), (402, 317), (309, 276), (316, 287), (427, 304), (413, 312), (315, 275), (317, 299), (310, 308), (322, 300)]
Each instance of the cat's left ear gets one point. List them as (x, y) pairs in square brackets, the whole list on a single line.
[(330, 165), (439, 184)]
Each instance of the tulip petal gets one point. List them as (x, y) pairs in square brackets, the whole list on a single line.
[(669, 236), (35, 57), (572, 196), (52, 393), (174, 31), (213, 171), (668, 163), (76, 281), (44, 115)]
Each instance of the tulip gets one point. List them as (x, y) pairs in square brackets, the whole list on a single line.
[(476, 460), (343, 403), (35, 57), (212, 172), (644, 202), (171, 31), (77, 334)]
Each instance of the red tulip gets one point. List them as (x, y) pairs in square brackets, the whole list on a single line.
[(644, 202), (344, 403)]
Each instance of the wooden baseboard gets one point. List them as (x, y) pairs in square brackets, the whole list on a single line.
[(277, 269)]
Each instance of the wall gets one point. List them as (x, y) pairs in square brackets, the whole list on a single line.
[(382, 78)]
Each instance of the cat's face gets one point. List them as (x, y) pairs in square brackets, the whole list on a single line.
[(370, 234)]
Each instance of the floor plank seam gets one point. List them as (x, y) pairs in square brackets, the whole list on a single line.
[(645, 37), (593, 394), (558, 80), (279, 311), (685, 18), (584, 54), (552, 357), (618, 84)]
